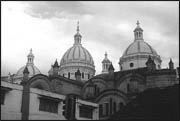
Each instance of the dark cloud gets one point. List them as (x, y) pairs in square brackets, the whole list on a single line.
[(59, 9)]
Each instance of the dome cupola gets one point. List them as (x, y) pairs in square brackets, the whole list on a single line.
[(30, 58), (105, 64), (77, 57), (77, 36), (138, 32)]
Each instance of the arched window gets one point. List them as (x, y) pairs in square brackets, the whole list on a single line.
[(114, 106), (97, 90), (88, 76), (100, 110), (107, 108), (68, 74), (128, 87), (136, 35), (111, 105), (121, 68), (83, 75)]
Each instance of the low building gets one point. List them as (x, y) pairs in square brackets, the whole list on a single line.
[(43, 105)]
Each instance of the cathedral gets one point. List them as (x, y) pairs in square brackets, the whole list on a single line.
[(139, 69)]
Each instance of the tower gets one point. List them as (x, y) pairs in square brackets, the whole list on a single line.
[(150, 64), (105, 64), (55, 68), (138, 32), (78, 75), (25, 75), (30, 58), (171, 64), (111, 69), (77, 36)]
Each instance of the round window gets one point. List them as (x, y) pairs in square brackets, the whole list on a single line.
[(131, 64)]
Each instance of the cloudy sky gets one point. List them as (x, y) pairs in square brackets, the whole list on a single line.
[(48, 28)]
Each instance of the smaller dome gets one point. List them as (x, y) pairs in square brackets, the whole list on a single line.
[(33, 70)]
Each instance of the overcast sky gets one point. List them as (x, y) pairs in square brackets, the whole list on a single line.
[(48, 28)]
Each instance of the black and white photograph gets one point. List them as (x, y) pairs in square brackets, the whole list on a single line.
[(90, 60)]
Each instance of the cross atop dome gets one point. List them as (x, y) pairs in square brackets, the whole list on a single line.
[(137, 23), (78, 27), (105, 55), (31, 50), (105, 63)]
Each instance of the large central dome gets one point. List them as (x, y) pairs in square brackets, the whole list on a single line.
[(77, 57)]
